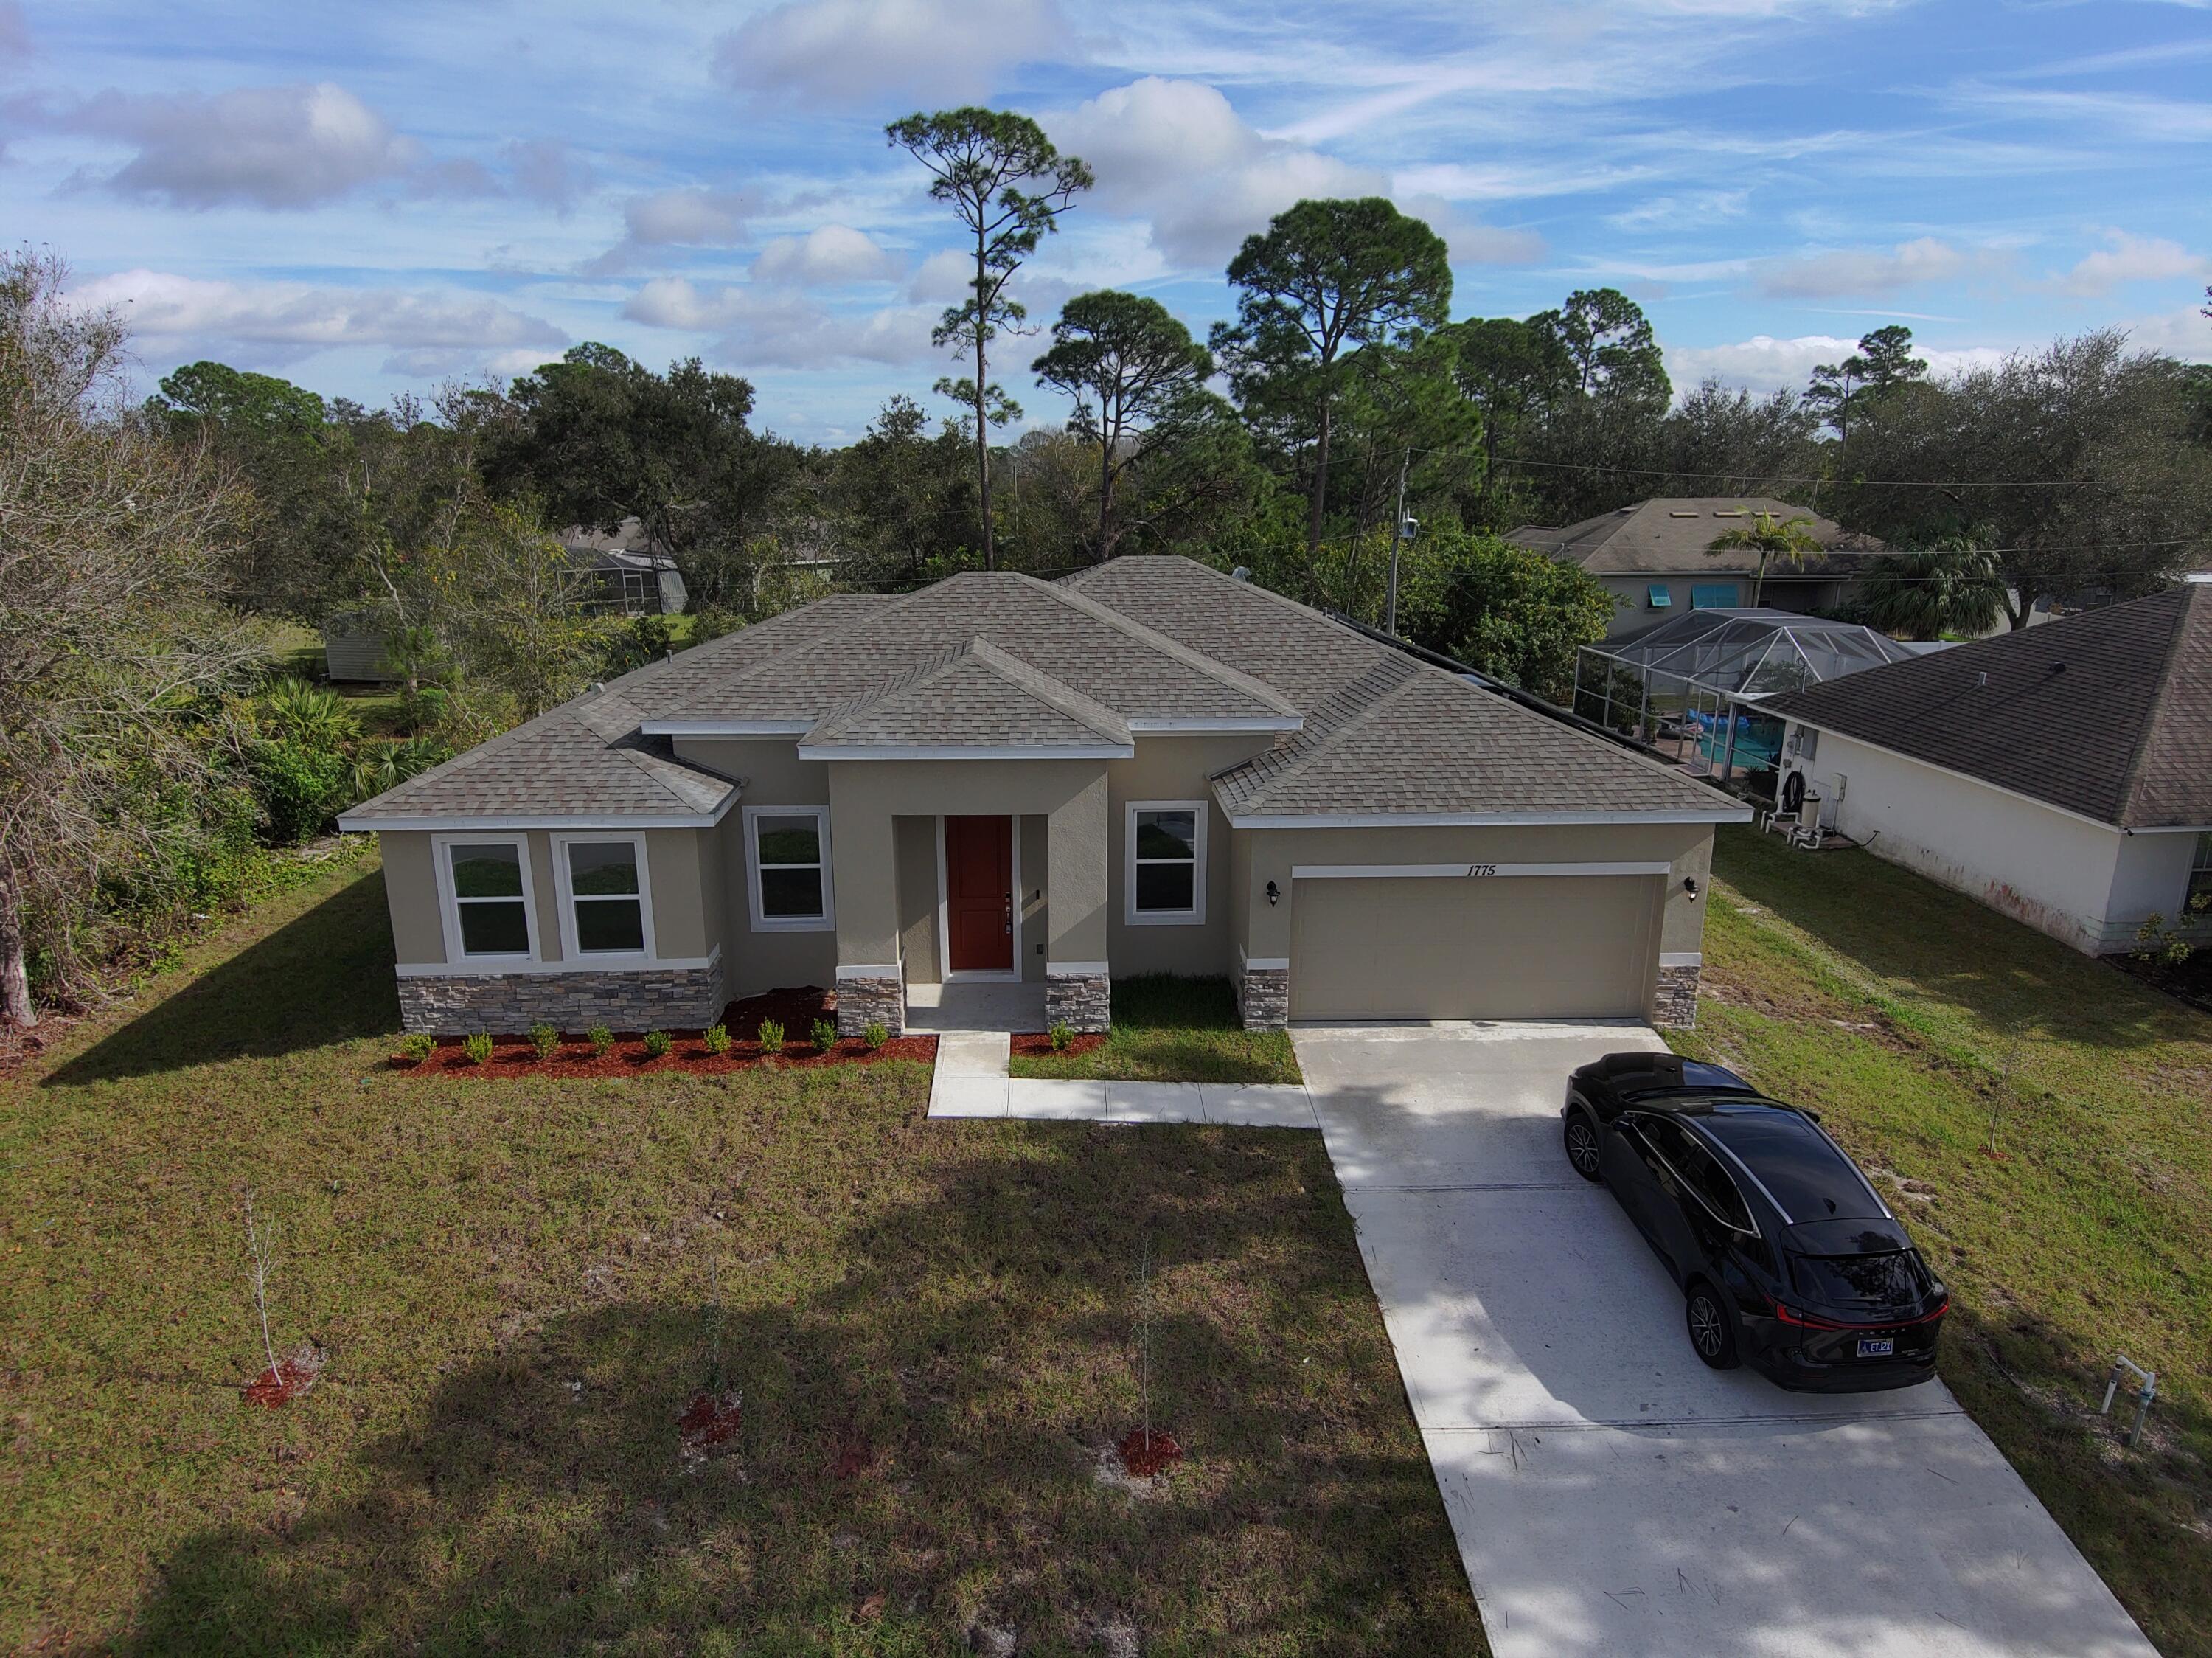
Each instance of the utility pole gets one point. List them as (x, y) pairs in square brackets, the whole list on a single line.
[(1398, 539)]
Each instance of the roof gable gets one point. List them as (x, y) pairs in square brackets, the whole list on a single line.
[(2108, 714)]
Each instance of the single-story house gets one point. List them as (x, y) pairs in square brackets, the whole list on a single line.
[(1149, 767), (1652, 558), (2062, 774)]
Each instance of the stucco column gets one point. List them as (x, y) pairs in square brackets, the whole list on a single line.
[(1077, 989), (864, 876), (1682, 937), (1263, 983)]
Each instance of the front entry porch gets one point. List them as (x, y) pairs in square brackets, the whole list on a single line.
[(977, 1005)]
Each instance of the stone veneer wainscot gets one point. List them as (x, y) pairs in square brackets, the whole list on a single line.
[(872, 999), (454, 1005), (1080, 1001), (1263, 999), (1674, 1001)]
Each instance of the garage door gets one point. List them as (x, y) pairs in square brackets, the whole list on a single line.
[(1504, 947)]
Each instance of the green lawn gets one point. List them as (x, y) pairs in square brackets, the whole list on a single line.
[(1895, 1007), (1168, 1029), (514, 1281)]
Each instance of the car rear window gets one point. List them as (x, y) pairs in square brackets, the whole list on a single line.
[(1793, 1160), (1897, 1279)]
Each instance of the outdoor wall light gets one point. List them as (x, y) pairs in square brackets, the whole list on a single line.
[(1690, 887), (1274, 893)]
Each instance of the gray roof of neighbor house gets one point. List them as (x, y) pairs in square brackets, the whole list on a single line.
[(2108, 714), (1669, 536), (1003, 663)]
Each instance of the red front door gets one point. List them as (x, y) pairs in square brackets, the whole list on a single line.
[(979, 893)]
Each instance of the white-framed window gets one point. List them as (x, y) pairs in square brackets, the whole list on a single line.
[(788, 868), (606, 902), (485, 882), (1164, 862), (2200, 876)]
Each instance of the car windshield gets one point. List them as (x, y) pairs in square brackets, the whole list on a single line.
[(1795, 1163), (1898, 1278)]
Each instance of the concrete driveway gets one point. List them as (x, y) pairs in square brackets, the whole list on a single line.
[(1609, 1493)]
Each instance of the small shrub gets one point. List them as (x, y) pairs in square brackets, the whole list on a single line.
[(771, 1036), (416, 1046), (544, 1040), (657, 1045), (602, 1040), (825, 1035), (1061, 1034), (476, 1047), (876, 1034), (715, 1039)]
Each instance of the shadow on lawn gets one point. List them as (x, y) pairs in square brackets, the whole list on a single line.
[(323, 977), (535, 1501), (1903, 928)]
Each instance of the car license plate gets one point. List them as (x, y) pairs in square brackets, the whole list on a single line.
[(1877, 1347)]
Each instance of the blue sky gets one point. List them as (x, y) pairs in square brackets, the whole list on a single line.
[(370, 198)]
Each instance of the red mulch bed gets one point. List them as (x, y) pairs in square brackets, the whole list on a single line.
[(1145, 1456), (285, 1381), (796, 1009), (1037, 1044)]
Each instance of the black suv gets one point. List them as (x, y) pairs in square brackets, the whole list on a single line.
[(1788, 1258)]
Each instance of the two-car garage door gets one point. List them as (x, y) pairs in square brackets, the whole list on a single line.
[(1461, 946)]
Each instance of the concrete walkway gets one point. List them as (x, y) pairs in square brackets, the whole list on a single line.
[(971, 1081)]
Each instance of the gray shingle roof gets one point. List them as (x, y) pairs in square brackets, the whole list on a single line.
[(1004, 661), (1406, 739), (1086, 646), (1301, 653), (973, 696), (2108, 714), (583, 759), (1668, 535)]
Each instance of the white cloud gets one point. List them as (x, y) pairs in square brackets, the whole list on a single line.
[(1856, 271), (2186, 333), (1176, 151), (1681, 212), (282, 321), (946, 276), (771, 329), (824, 258), (2133, 258), (278, 147), (1471, 241), (850, 52), (691, 218), (1764, 363)]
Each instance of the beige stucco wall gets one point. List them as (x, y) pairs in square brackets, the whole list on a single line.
[(1173, 768), (1686, 848), (2055, 872), (1036, 894), (774, 775), (411, 893), (866, 795), (916, 841), (1635, 610)]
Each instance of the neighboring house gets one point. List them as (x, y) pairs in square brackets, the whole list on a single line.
[(1652, 558), (2062, 774), (625, 574), (619, 575), (1151, 767)]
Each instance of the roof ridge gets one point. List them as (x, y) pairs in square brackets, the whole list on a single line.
[(1055, 693), (920, 673), (2131, 782), (1331, 719), (1235, 679)]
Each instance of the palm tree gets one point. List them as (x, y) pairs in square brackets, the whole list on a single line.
[(1771, 537), (1927, 592)]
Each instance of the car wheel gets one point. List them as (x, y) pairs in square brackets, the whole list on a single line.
[(1581, 1138), (1713, 1331)]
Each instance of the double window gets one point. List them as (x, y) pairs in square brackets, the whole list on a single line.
[(486, 888), (2200, 878), (788, 868), (606, 909), (1163, 872)]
